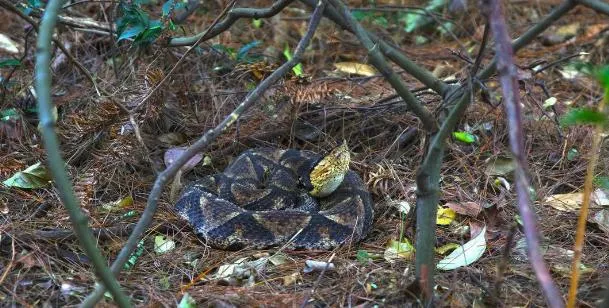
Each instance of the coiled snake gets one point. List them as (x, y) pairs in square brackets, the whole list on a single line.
[(269, 197)]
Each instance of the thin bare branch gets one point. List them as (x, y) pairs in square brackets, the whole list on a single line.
[(82, 24), (583, 212), (393, 53), (55, 161), (232, 16), (531, 34), (509, 84)]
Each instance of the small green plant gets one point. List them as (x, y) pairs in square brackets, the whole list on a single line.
[(9, 63), (136, 24), (242, 55), (590, 116), (31, 5)]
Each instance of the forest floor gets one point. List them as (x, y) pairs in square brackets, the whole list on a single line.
[(112, 172)]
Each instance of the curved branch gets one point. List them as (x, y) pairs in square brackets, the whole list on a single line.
[(232, 16), (378, 60), (165, 176), (56, 163)]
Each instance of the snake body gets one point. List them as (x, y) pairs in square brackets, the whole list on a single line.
[(263, 199)]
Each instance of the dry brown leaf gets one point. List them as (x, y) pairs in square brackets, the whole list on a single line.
[(290, 279), (571, 202), (475, 228), (27, 259), (471, 209)]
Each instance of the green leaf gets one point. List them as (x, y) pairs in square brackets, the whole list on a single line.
[(119, 204), (35, 3), (135, 23), (242, 53), (288, 55), (131, 32), (420, 19), (167, 7), (550, 102), (446, 27), (298, 70), (149, 35), (10, 63), (363, 256), (9, 114), (446, 248), (132, 15), (128, 214), (583, 116), (227, 50), (139, 250), (572, 154), (187, 301), (361, 15), (464, 137), (164, 283), (602, 182), (420, 40), (257, 23), (602, 74), (414, 21), (163, 244), (381, 21), (398, 250), (35, 176)]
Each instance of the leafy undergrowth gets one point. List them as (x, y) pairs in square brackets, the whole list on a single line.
[(112, 172)]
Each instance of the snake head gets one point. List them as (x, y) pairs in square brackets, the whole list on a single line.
[(330, 171)]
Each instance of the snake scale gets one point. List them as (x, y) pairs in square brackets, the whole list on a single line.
[(271, 197)]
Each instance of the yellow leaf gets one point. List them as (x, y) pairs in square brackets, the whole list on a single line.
[(398, 250), (446, 248), (445, 216), (118, 204), (125, 202), (565, 202), (356, 68)]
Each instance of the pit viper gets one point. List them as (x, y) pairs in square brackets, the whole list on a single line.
[(280, 197)]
